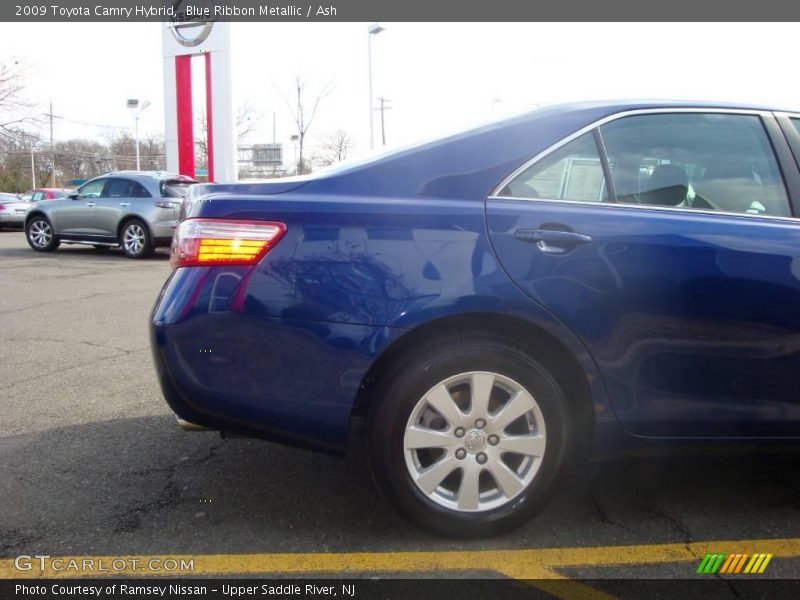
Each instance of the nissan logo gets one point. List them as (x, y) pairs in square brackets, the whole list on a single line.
[(186, 28)]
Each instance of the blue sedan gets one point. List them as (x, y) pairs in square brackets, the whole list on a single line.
[(501, 302)]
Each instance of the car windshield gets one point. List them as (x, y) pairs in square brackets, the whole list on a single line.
[(175, 189)]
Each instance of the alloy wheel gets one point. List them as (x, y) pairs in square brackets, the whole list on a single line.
[(474, 441), (40, 233), (133, 239)]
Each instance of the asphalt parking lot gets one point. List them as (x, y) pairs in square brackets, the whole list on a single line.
[(93, 464)]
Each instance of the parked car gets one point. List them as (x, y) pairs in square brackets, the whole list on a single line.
[(39, 194), (134, 210), (12, 210), (584, 277)]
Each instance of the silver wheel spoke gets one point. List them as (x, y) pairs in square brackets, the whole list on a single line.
[(482, 384), (529, 445), (518, 405), (422, 437), (440, 399), (429, 479), (474, 443), (469, 490), (506, 479)]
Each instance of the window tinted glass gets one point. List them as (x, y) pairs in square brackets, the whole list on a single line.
[(118, 188), (573, 172), (92, 189), (175, 189), (796, 123), (137, 190), (703, 161)]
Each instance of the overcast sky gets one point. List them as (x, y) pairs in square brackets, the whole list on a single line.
[(439, 77)]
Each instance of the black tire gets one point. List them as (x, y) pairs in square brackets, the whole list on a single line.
[(398, 395), (136, 250), (37, 227)]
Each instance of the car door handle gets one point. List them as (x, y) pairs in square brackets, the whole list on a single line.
[(90, 204), (552, 241), (124, 203)]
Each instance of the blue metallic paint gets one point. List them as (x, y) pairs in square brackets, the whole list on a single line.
[(375, 251)]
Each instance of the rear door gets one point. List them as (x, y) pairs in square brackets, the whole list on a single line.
[(120, 197), (667, 243)]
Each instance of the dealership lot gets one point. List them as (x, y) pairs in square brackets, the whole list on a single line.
[(94, 465)]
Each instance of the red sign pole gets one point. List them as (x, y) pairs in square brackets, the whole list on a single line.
[(183, 84)]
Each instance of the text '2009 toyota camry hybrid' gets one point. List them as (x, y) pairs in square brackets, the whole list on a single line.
[(501, 302)]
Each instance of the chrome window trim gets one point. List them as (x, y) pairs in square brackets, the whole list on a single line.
[(699, 211), (627, 113)]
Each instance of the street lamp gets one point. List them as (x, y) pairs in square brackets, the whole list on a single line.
[(373, 29), (137, 108)]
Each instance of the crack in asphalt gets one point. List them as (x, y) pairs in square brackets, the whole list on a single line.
[(599, 512), (130, 520), (790, 485), (19, 539), (71, 367), (34, 338), (64, 300)]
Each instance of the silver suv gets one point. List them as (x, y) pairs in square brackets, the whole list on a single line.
[(134, 210)]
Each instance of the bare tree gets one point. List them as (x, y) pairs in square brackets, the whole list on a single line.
[(14, 108), (246, 122), (333, 148), (303, 113)]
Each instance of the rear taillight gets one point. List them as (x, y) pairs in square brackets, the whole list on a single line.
[(2, 207), (210, 242)]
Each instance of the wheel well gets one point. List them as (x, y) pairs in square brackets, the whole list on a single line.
[(37, 213), (546, 348), (125, 220)]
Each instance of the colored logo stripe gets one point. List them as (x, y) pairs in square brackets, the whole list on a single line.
[(734, 563)]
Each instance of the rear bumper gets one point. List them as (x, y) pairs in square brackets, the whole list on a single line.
[(162, 232), (284, 380), (10, 218)]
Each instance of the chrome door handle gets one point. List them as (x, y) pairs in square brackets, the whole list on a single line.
[(90, 204), (552, 241), (124, 203)]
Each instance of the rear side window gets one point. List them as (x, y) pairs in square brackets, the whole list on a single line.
[(573, 172), (125, 188), (796, 123), (692, 160), (175, 189)]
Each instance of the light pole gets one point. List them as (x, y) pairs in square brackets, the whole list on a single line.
[(136, 108), (373, 29), (295, 139)]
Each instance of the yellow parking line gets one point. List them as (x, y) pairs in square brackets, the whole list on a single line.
[(539, 564)]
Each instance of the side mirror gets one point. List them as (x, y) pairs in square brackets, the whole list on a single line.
[(73, 195)]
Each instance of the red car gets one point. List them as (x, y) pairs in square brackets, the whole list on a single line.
[(45, 194)]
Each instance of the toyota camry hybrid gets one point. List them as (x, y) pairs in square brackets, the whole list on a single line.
[(501, 302)]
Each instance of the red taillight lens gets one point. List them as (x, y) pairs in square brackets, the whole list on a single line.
[(2, 207), (210, 242)]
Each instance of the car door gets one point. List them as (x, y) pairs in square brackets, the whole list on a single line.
[(666, 243), (120, 198), (76, 216)]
